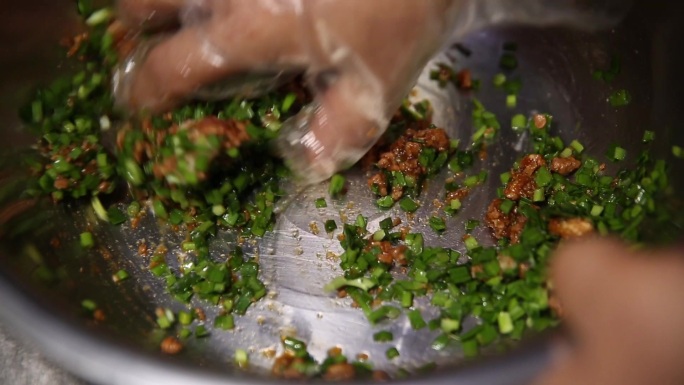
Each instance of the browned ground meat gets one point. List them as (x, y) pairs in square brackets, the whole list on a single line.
[(522, 184), (570, 227), (171, 345), (503, 225), (434, 137), (340, 372), (459, 194), (390, 253), (397, 192), (285, 366), (506, 263), (464, 79), (379, 180), (380, 376), (539, 121), (565, 166), (403, 156), (231, 134)]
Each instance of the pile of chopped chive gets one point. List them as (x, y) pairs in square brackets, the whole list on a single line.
[(190, 164), (505, 287)]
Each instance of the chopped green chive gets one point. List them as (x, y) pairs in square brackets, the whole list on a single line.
[(440, 342), (224, 322), (566, 153), (511, 101), (89, 305), (507, 206), (116, 216), (408, 205), (330, 226), (185, 318), (241, 358), (416, 319), (99, 209), (87, 240), (337, 185), (383, 336), (620, 98), (471, 243), (437, 224), (449, 325), (505, 323), (596, 210), (120, 275), (543, 177), (471, 224), (499, 79), (392, 353), (618, 153), (288, 101), (385, 202), (649, 136), (678, 152), (519, 122), (577, 146), (470, 348), (321, 203)]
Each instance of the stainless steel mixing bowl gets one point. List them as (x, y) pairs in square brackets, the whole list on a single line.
[(41, 286)]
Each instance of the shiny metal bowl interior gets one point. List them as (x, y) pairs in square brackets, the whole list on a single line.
[(556, 67)]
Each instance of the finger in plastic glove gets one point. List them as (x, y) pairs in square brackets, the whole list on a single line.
[(150, 14), (360, 69), (334, 132), (623, 312), (163, 76)]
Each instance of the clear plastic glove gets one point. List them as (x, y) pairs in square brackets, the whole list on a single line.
[(624, 310), (361, 58)]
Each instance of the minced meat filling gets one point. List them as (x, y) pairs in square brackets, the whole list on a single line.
[(504, 225), (522, 184), (403, 156), (565, 166)]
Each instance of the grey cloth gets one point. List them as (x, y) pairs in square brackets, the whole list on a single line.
[(22, 364)]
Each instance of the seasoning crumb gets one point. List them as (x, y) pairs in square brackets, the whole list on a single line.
[(340, 372), (313, 227), (539, 121), (142, 248), (269, 353), (331, 256), (199, 314), (380, 376), (171, 345), (99, 315), (570, 227)]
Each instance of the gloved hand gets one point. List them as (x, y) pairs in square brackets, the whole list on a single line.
[(624, 310), (361, 58)]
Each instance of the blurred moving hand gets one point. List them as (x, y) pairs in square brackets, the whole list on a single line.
[(361, 58), (625, 312)]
